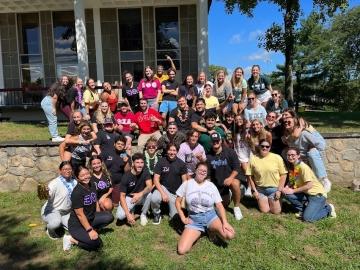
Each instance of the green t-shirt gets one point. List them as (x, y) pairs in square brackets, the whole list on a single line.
[(205, 139)]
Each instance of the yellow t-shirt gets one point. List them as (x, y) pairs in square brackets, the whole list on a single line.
[(164, 77), (266, 171), (91, 98), (301, 174), (211, 102)]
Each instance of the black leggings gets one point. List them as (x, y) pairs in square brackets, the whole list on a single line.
[(101, 220)]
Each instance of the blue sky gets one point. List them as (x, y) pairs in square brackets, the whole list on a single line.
[(233, 37)]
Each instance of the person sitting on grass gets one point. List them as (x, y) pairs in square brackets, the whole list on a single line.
[(135, 190), (266, 175), (304, 191), (101, 178), (201, 195), (172, 135), (169, 173), (56, 211), (85, 217), (151, 155)]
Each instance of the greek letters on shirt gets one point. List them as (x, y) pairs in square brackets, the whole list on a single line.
[(123, 121), (131, 92), (218, 163), (149, 84), (165, 169), (90, 198)]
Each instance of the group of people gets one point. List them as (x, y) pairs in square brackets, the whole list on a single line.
[(200, 146)]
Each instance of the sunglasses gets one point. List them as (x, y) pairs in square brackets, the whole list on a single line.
[(271, 117), (151, 147), (274, 95), (264, 146), (291, 155), (251, 98)]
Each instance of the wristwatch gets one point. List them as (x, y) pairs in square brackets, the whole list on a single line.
[(89, 230)]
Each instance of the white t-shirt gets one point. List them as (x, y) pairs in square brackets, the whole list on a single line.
[(200, 198), (59, 197)]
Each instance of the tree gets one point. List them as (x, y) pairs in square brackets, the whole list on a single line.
[(282, 37), (212, 70)]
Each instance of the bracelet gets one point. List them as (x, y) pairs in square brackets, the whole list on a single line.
[(89, 230)]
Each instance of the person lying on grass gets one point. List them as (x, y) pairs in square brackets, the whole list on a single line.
[(201, 195), (304, 191)]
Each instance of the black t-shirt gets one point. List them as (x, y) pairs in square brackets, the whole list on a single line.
[(85, 198), (115, 164), (131, 183), (170, 172), (170, 85), (106, 141), (198, 117), (102, 184), (182, 118), (222, 165), (277, 145), (259, 87), (132, 94)]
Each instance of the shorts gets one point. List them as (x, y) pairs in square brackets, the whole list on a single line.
[(167, 106), (264, 97), (202, 221), (267, 192)]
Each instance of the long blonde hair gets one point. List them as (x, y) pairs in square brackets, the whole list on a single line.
[(100, 117)]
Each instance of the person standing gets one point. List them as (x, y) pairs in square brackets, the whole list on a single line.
[(170, 90)]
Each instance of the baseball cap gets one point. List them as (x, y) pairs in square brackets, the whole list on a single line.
[(215, 137), (108, 120)]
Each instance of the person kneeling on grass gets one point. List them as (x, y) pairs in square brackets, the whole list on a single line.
[(56, 210), (266, 175), (201, 195), (169, 173), (304, 191), (85, 217), (135, 190)]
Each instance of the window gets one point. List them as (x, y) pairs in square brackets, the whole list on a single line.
[(31, 66), (167, 36), (65, 43), (131, 42)]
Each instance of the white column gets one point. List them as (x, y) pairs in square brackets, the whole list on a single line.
[(202, 35), (98, 45), (81, 45), (1, 69)]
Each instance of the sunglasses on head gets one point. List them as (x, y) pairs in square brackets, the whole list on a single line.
[(265, 146)]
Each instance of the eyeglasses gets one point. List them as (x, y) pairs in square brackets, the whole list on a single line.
[(264, 146), (291, 155), (271, 117)]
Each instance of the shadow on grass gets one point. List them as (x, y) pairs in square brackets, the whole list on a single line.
[(19, 252)]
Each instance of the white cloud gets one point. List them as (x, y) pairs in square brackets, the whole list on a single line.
[(263, 55), (253, 35), (235, 39)]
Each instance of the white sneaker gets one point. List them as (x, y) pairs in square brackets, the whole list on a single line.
[(326, 183), (57, 139), (143, 220), (248, 192), (332, 213), (237, 213), (67, 242)]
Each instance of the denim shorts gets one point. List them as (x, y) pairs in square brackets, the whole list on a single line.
[(201, 221), (267, 192)]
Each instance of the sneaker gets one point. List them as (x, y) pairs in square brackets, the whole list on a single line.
[(332, 213), (326, 183), (143, 220), (237, 213), (52, 235), (57, 139), (248, 192), (67, 242), (299, 215), (157, 219)]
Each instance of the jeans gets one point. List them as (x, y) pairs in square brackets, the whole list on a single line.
[(156, 202), (145, 202), (316, 163), (316, 207), (47, 106), (54, 219), (267, 192)]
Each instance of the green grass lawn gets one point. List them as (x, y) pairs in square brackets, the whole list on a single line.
[(262, 241), (326, 122)]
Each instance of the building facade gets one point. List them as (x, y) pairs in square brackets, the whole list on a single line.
[(42, 40)]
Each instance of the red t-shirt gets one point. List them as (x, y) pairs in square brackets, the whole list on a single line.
[(125, 120), (143, 120), (149, 89)]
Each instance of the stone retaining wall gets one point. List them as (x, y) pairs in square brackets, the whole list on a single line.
[(24, 165)]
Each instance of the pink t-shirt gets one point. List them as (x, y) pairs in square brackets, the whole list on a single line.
[(125, 120), (149, 89)]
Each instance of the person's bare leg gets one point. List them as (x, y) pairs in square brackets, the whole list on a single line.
[(263, 203), (187, 240), (236, 193), (216, 226), (275, 206)]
